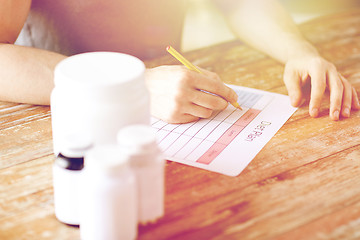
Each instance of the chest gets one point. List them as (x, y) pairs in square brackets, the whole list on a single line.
[(138, 27)]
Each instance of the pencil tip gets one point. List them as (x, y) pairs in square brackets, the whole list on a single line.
[(237, 105)]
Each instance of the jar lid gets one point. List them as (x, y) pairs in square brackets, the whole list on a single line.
[(138, 138), (105, 158), (103, 74)]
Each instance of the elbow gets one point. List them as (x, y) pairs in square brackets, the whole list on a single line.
[(9, 38), (8, 33)]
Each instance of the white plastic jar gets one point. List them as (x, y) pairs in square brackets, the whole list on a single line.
[(108, 208), (138, 143), (98, 93)]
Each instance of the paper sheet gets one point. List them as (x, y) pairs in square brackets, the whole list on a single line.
[(227, 141)]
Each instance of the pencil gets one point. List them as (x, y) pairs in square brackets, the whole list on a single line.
[(190, 66)]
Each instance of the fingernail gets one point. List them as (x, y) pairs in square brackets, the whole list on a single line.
[(314, 112), (336, 115), (346, 112)]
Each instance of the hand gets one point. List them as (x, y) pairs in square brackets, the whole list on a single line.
[(320, 74), (176, 97)]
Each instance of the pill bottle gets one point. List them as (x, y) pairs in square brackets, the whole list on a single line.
[(138, 142), (108, 208), (67, 169), (98, 93)]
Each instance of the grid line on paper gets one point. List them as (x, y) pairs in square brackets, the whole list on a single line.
[(203, 139), (228, 136), (180, 134), (194, 135)]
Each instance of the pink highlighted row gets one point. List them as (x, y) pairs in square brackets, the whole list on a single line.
[(228, 137)]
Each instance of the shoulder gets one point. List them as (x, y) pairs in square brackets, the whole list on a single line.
[(13, 14)]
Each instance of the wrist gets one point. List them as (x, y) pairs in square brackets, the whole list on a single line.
[(301, 49)]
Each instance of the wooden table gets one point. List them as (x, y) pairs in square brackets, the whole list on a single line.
[(304, 184)]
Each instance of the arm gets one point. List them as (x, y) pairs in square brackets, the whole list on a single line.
[(265, 25), (26, 74)]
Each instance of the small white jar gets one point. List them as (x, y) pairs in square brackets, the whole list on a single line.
[(98, 93), (67, 169), (138, 143), (108, 208)]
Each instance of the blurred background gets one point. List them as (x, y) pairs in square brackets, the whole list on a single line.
[(204, 25)]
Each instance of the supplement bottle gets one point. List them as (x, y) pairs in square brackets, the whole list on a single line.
[(67, 169), (138, 142), (108, 208)]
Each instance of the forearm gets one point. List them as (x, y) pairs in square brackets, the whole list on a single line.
[(265, 25), (26, 74)]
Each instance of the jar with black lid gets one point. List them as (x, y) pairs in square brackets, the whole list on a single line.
[(67, 168)]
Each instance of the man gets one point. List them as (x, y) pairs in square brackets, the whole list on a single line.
[(143, 29)]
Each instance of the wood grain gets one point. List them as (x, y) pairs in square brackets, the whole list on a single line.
[(304, 184)]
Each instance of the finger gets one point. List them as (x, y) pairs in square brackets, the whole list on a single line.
[(293, 85), (208, 100), (355, 99), (347, 97), (336, 94), (211, 82), (318, 86), (197, 111), (184, 118), (173, 116)]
